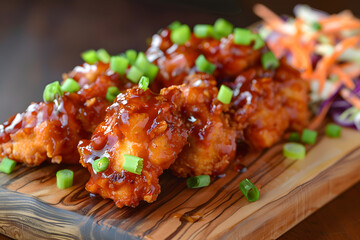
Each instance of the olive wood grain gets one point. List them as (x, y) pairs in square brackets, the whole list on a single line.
[(33, 207)]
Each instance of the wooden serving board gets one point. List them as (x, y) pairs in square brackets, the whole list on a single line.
[(32, 207)]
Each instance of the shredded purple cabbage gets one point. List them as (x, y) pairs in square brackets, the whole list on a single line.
[(339, 105)]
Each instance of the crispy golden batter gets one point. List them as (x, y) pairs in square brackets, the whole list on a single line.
[(142, 124), (266, 103), (212, 141), (53, 130)]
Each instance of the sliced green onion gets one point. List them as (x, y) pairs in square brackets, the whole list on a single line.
[(294, 137), (112, 93), (203, 30), (52, 91), (243, 36), (152, 71), (174, 25), (7, 165), (333, 130), (64, 178), (269, 61), (144, 83), (103, 55), (142, 63), (134, 74), (100, 164), (204, 65), (225, 94), (249, 190), (119, 64), (70, 85), (259, 42), (222, 28), (131, 55), (349, 115), (133, 164), (90, 56), (308, 136), (316, 26), (294, 151), (198, 181), (181, 34)]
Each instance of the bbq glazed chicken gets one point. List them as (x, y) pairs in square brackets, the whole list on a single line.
[(185, 122), (52, 130), (268, 102), (212, 140), (177, 61), (142, 124)]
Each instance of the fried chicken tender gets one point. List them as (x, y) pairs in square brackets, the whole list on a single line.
[(212, 141), (266, 103), (142, 124), (53, 130), (175, 62)]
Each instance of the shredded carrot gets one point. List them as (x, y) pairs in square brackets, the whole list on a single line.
[(350, 97), (294, 37), (316, 121), (346, 79), (324, 64), (351, 69)]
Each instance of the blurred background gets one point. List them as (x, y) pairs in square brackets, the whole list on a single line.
[(41, 39)]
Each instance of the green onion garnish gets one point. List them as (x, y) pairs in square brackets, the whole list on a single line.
[(225, 94), (316, 26), (112, 93), (119, 64), (259, 42), (269, 61), (133, 164), (204, 65), (131, 55), (243, 36), (152, 72), (333, 130), (100, 164), (203, 30), (249, 190), (144, 83), (294, 151), (134, 74), (103, 55), (70, 85), (90, 56), (308, 136), (64, 178), (198, 181), (52, 91), (222, 28), (181, 34), (142, 63), (174, 25), (294, 137), (7, 165)]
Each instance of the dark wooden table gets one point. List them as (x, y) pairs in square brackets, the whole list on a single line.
[(40, 40)]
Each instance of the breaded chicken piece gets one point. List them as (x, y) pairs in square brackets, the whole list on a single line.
[(212, 141), (53, 130), (139, 123), (266, 103), (175, 62)]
